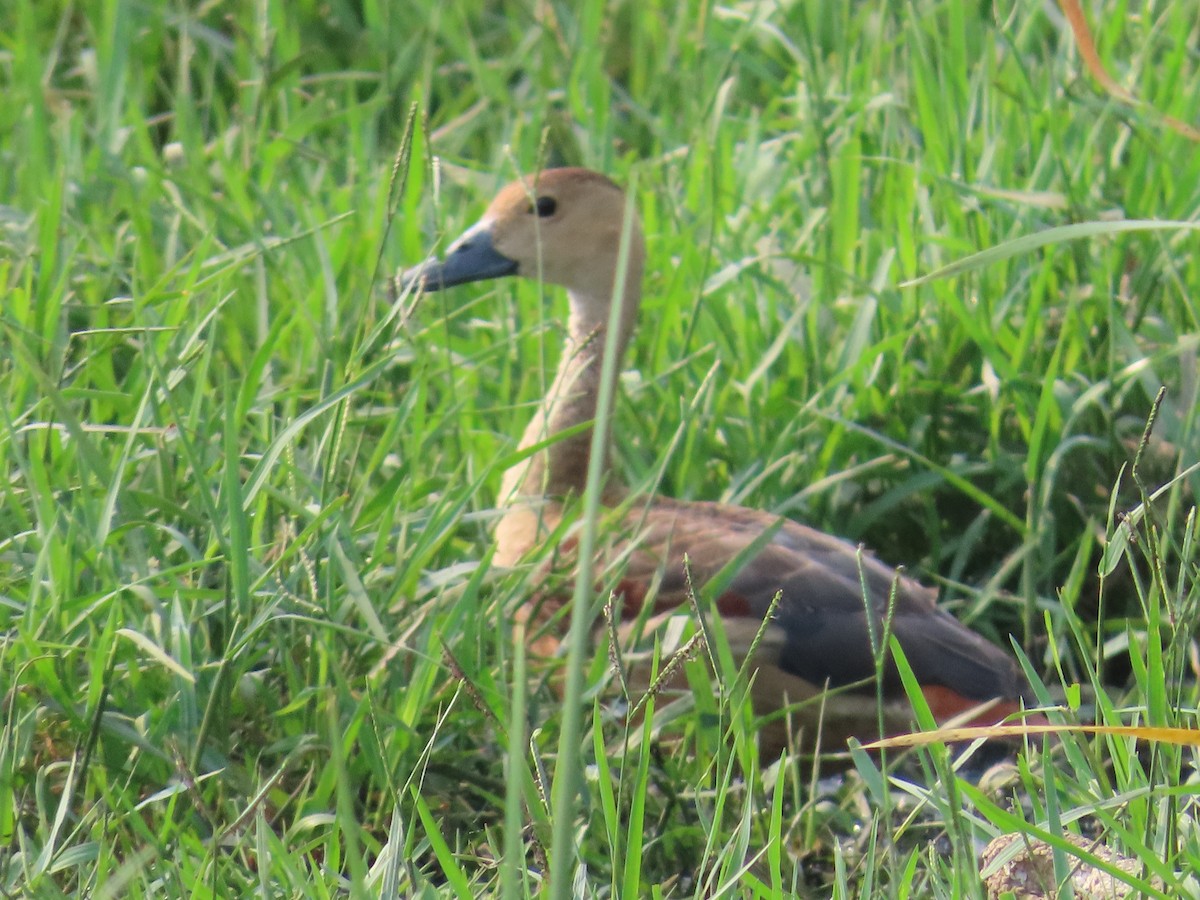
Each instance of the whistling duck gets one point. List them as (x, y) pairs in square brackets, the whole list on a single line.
[(564, 226)]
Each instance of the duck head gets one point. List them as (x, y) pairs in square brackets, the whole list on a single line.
[(561, 226)]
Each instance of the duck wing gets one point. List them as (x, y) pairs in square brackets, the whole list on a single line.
[(829, 591)]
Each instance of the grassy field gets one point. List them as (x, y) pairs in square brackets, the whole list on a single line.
[(250, 642)]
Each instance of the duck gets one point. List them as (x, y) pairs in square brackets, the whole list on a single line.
[(807, 605)]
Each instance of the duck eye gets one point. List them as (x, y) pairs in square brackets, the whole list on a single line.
[(544, 207)]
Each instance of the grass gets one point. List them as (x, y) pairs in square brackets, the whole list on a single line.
[(250, 641)]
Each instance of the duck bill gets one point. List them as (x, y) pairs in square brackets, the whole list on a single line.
[(472, 257)]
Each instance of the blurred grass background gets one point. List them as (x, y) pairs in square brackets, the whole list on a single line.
[(245, 511)]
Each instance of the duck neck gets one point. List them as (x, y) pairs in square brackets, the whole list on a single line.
[(564, 422)]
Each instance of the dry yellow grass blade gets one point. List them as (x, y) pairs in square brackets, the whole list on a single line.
[(1182, 736), (1091, 58)]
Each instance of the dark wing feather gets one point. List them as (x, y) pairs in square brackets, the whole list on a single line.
[(821, 610)]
